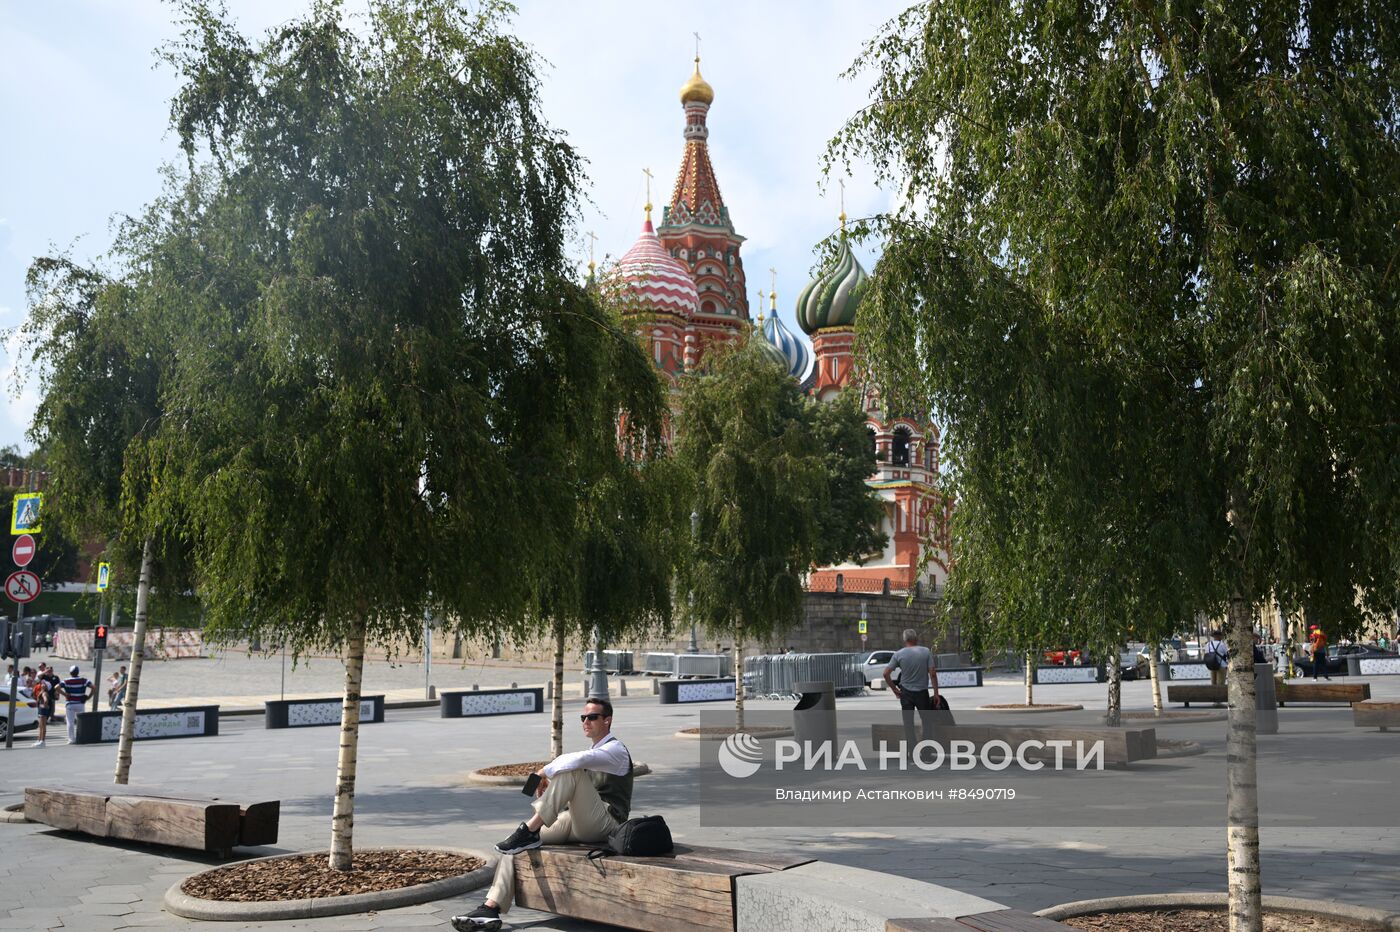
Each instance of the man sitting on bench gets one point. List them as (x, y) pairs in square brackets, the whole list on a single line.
[(581, 797)]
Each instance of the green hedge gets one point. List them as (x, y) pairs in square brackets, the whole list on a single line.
[(179, 612)]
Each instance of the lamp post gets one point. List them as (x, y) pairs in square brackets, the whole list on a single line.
[(694, 647), (597, 674)]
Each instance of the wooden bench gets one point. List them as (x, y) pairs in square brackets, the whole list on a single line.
[(691, 888), (1376, 713), (1189, 694), (155, 816), (1121, 746), (1001, 920), (1324, 692)]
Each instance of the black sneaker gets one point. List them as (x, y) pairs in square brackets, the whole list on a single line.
[(522, 839), (483, 917)]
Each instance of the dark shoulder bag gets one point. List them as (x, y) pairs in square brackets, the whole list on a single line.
[(644, 837)]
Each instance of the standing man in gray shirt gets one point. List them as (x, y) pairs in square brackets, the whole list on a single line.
[(916, 673)]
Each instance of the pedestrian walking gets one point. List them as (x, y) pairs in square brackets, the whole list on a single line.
[(77, 690), (1216, 658), (46, 685), (116, 689), (1319, 652)]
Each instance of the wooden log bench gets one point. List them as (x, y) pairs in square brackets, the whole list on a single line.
[(1001, 920), (1121, 746), (691, 888), (1376, 713), (154, 816), (1324, 692), (1189, 694)]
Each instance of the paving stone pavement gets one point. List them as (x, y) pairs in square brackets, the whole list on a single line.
[(411, 791)]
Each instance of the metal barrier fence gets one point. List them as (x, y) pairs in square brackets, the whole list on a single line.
[(772, 677), (614, 661)]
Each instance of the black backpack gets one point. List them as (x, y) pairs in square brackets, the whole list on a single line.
[(644, 837)]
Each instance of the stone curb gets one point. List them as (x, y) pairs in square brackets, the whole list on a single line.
[(1178, 749), (1377, 918), (1038, 709), (1177, 718), (487, 779), (762, 735), (13, 814), (190, 907)]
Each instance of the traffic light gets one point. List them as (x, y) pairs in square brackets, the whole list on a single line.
[(99, 637)]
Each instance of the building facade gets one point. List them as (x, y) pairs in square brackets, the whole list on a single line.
[(682, 287)]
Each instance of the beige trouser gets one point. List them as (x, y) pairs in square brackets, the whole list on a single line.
[(587, 820)]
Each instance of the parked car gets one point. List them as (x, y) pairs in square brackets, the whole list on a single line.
[(26, 715), (873, 663), (1337, 655), (1062, 656)]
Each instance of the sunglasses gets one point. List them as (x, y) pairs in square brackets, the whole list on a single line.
[(591, 716)]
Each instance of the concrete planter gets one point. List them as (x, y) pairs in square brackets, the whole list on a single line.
[(181, 904), (1375, 918)]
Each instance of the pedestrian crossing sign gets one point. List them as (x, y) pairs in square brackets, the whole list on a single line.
[(24, 515), (104, 576), (862, 627)]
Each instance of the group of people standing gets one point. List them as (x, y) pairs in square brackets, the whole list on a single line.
[(47, 690)]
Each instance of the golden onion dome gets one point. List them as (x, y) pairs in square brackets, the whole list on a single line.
[(697, 88)]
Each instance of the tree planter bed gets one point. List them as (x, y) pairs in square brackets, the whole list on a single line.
[(1194, 912), (302, 886)]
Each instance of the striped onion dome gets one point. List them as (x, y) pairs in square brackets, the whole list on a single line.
[(651, 280), (769, 351), (831, 299), (798, 356)]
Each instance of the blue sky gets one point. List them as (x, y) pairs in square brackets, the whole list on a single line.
[(83, 107)]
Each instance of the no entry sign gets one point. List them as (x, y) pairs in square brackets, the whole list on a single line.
[(23, 550), (23, 586)]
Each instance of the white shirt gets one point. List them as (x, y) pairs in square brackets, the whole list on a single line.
[(609, 755)]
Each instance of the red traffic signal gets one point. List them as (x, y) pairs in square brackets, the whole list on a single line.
[(99, 637)]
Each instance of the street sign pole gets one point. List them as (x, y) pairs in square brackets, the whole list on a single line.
[(14, 676), (97, 654)]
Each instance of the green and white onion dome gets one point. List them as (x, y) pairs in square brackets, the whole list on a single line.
[(769, 351), (798, 356), (832, 298)]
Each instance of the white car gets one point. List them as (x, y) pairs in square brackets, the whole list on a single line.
[(26, 716), (873, 667)]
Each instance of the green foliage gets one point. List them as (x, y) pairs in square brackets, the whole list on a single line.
[(1146, 270), (779, 485), (390, 395)]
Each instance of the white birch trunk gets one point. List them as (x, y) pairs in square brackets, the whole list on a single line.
[(1242, 800), (138, 656), (556, 727), (1115, 689), (343, 821), (1156, 680), (738, 684), (1030, 679)]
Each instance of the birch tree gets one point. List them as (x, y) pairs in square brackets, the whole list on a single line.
[(1154, 244), (779, 486), (101, 356), (372, 344)]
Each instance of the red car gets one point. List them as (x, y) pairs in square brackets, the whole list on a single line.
[(1063, 657)]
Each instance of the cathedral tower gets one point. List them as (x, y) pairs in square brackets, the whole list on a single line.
[(695, 229)]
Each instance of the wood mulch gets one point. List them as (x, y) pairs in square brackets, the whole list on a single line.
[(307, 876), (1207, 920), (512, 770)]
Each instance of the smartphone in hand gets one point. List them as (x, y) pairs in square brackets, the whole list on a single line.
[(531, 785)]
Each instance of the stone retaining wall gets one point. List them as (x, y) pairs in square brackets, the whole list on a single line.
[(161, 644)]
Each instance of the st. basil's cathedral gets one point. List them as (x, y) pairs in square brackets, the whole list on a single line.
[(683, 288)]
